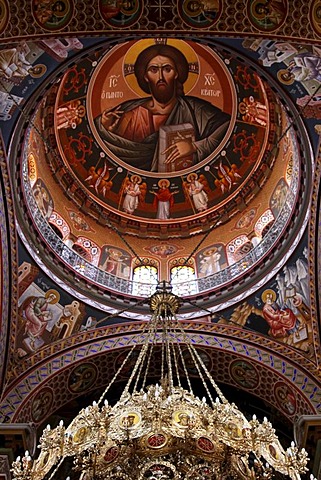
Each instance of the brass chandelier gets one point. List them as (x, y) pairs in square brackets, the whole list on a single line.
[(163, 431)]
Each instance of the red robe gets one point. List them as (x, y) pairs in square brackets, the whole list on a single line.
[(163, 195), (139, 123), (280, 321)]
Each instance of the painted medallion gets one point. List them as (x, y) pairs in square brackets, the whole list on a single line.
[(164, 118)]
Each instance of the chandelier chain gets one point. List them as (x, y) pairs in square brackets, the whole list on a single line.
[(168, 358), (163, 357), (164, 432), (185, 367), (194, 351), (175, 359), (142, 333)]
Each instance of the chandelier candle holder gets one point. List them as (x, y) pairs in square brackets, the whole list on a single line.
[(163, 431)]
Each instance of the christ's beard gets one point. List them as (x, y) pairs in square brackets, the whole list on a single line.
[(163, 93)]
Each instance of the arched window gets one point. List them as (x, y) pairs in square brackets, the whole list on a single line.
[(145, 280), (183, 280), (237, 248), (92, 249), (59, 225), (82, 252), (264, 223)]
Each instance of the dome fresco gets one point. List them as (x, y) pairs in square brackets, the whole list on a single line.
[(224, 120), (95, 210), (102, 212)]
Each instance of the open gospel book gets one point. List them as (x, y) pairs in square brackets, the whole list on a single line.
[(169, 135)]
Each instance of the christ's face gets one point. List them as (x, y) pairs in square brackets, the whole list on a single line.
[(161, 75)]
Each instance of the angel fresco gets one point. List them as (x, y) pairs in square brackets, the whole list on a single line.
[(133, 192), (227, 177), (78, 221), (195, 189), (99, 180), (133, 130)]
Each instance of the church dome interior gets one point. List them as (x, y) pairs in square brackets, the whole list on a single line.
[(147, 143)]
